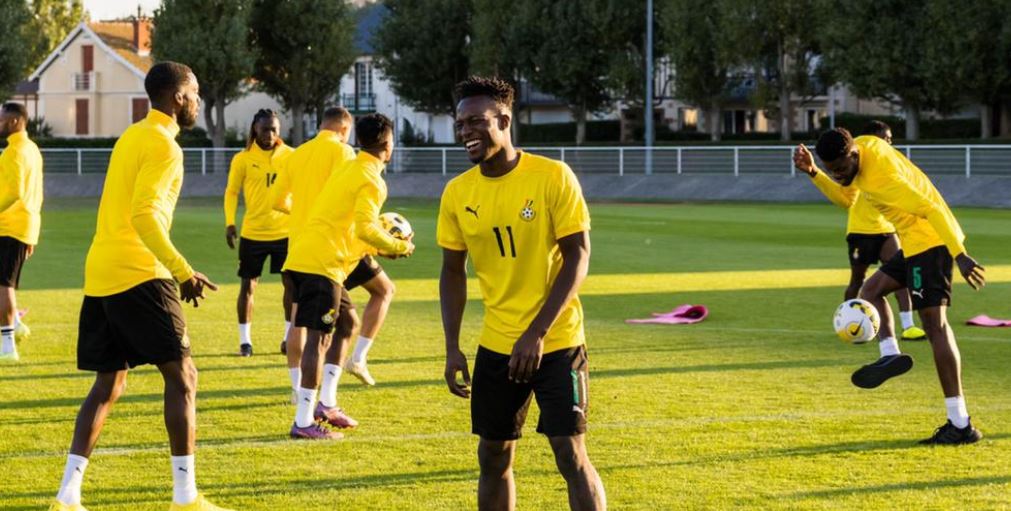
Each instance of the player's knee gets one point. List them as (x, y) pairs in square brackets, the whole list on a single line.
[(569, 460), (495, 458), (388, 290)]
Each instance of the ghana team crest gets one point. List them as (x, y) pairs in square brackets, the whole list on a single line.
[(528, 213)]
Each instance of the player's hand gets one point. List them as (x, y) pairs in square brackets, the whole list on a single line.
[(456, 362), (29, 251), (971, 271), (230, 236), (526, 357), (407, 253), (192, 290), (804, 160)]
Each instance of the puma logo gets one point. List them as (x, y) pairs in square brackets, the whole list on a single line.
[(78, 470), (577, 409), (332, 373), (182, 469), (918, 293), (472, 210)]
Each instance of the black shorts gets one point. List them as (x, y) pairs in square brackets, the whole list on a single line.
[(13, 253), (322, 303), (498, 407), (865, 249), (927, 275), (368, 268), (253, 253), (142, 325)]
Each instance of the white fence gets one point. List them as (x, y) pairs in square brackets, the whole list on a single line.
[(964, 160)]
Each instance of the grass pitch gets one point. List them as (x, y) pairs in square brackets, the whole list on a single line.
[(751, 409)]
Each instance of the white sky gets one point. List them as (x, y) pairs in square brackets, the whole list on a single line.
[(111, 9)]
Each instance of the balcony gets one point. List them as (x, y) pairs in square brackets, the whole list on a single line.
[(85, 82), (359, 102)]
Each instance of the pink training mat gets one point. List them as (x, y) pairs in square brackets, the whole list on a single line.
[(984, 320), (686, 314)]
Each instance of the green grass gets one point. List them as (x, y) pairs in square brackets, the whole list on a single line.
[(751, 409)]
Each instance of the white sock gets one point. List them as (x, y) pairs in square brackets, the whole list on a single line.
[(304, 408), (184, 479), (889, 346), (287, 330), (295, 373), (328, 390), (907, 319), (73, 476), (244, 334), (7, 333), (362, 346), (957, 413)]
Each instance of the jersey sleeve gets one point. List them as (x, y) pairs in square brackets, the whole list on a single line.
[(368, 202), (894, 191), (569, 213), (842, 196), (236, 175), (153, 179), (13, 173), (447, 231)]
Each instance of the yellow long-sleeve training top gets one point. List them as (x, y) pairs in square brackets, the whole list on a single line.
[(254, 172), (303, 174), (21, 189)]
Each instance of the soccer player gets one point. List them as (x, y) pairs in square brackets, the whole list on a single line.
[(930, 237), (20, 204), (131, 315), (870, 238), (522, 220), (264, 230), (345, 213), (299, 180)]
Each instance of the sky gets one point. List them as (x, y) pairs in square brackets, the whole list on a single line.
[(111, 9)]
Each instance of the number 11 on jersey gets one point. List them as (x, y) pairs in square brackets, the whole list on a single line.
[(501, 244)]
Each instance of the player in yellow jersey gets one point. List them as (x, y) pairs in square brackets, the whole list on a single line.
[(931, 238), (20, 205), (870, 239), (523, 222), (131, 314), (322, 253), (264, 230)]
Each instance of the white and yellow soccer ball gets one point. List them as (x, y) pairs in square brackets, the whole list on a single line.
[(396, 225), (856, 321)]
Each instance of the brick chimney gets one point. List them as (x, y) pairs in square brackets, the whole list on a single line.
[(142, 34)]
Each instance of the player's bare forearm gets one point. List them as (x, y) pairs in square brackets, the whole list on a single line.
[(453, 295), (575, 250)]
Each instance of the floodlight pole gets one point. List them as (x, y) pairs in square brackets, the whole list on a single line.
[(648, 105)]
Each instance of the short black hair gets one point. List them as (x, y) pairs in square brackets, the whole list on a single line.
[(493, 87), (876, 128), (165, 78), (337, 113), (16, 109), (370, 130), (834, 144)]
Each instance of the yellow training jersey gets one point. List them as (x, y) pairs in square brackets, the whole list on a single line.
[(131, 244), (903, 194), (254, 171), (303, 173), (21, 189), (345, 215), (862, 216), (509, 225)]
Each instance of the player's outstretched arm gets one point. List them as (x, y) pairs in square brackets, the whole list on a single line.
[(453, 299), (192, 290), (971, 271), (527, 352)]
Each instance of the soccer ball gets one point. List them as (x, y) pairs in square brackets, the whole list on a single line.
[(396, 225), (856, 321)]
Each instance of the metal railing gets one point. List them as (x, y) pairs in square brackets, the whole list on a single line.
[(84, 81), (967, 160)]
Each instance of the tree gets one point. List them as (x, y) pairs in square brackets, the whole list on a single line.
[(422, 47), (15, 18), (701, 55), (303, 49), (879, 48), (570, 60), (969, 52), (51, 21), (781, 49), (210, 36)]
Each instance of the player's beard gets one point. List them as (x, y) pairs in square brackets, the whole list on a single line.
[(187, 117)]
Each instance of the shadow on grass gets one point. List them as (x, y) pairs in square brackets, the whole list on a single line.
[(706, 368), (904, 486)]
